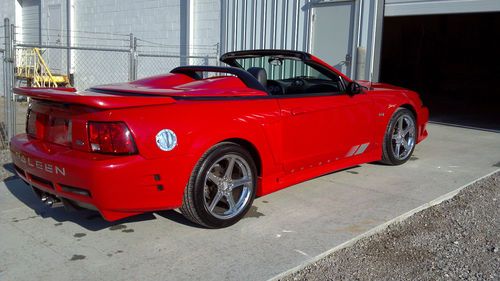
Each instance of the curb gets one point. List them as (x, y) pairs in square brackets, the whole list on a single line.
[(379, 228)]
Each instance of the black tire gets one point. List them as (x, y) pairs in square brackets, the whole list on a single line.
[(389, 156), (194, 206)]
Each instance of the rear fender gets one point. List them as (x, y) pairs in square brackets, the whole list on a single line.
[(252, 133)]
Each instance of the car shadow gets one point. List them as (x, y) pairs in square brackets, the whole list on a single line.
[(88, 219), (9, 167), (338, 171), (177, 217)]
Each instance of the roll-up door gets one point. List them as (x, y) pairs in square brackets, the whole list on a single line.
[(451, 60), (31, 21)]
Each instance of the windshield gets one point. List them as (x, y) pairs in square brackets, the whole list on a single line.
[(282, 68)]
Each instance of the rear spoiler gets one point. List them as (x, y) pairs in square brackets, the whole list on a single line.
[(92, 99)]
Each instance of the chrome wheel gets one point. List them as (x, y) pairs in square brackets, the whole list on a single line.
[(403, 137), (228, 186)]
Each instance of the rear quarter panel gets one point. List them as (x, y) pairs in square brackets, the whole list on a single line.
[(199, 125)]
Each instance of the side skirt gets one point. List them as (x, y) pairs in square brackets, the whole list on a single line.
[(269, 186)]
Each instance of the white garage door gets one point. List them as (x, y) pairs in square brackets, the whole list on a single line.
[(31, 21), (430, 7)]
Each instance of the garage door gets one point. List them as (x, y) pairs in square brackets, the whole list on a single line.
[(450, 60), (31, 21), (430, 7)]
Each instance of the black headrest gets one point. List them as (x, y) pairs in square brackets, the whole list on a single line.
[(260, 74)]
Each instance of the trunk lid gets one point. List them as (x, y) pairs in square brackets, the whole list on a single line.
[(49, 123), (59, 123), (61, 115)]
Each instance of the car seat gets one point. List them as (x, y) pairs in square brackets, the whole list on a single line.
[(260, 74)]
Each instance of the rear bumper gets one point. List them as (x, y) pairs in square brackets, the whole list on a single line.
[(117, 186)]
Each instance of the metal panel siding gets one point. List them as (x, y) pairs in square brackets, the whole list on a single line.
[(265, 24), (429, 7), (31, 21)]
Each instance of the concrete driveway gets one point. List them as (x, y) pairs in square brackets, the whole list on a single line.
[(281, 231)]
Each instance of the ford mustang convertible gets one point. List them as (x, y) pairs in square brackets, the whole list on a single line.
[(209, 139)]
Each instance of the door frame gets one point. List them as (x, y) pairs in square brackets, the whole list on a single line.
[(355, 29)]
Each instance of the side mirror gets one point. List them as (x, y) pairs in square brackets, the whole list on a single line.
[(353, 88)]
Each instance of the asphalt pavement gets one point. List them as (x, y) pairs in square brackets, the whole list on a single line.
[(282, 230)]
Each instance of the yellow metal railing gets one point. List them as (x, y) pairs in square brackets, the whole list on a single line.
[(31, 66)]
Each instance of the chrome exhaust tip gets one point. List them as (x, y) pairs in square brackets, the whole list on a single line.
[(48, 199), (49, 202)]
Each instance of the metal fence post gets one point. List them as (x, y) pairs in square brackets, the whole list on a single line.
[(205, 60), (8, 69), (217, 54), (132, 74), (13, 110), (136, 59)]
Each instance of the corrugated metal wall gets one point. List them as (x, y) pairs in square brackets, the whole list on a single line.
[(265, 24)]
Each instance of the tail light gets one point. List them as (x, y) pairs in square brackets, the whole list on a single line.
[(111, 138), (35, 124), (31, 123)]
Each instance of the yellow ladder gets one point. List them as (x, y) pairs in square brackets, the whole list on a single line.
[(32, 67)]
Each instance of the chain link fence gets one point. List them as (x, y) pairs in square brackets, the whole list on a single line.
[(93, 67), (154, 58), (85, 59), (3, 131)]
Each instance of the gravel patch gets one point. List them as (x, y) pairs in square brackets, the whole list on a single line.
[(6, 169), (458, 239), (21, 108)]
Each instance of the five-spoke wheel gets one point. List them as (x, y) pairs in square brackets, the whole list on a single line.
[(221, 188), (400, 137), (228, 186)]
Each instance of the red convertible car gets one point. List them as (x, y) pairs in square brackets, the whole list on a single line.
[(209, 139)]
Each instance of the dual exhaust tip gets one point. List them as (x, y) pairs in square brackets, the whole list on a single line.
[(53, 201), (50, 200)]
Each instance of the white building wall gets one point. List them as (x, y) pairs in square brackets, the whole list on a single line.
[(45, 16), (7, 10), (157, 21), (107, 24), (206, 29), (151, 20)]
